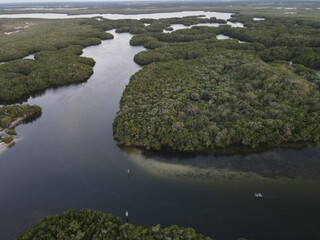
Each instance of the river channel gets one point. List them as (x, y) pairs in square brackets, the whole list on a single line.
[(68, 159)]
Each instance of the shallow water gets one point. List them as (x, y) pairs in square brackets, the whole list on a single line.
[(219, 15), (181, 26), (258, 19), (222, 37), (31, 56), (68, 159)]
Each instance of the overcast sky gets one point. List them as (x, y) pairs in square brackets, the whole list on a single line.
[(26, 1), (34, 1)]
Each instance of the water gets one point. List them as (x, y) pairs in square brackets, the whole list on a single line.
[(219, 15), (258, 19), (31, 56), (181, 26), (68, 159), (222, 37)]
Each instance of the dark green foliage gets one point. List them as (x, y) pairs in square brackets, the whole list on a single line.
[(285, 38), (225, 98), (188, 50), (9, 114), (11, 132), (187, 35), (200, 94), (95, 225), (7, 139), (277, 53), (141, 39), (57, 45), (154, 44), (43, 35), (307, 73), (21, 78), (215, 20), (309, 57)]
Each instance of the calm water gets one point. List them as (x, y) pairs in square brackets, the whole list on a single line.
[(218, 15), (68, 159)]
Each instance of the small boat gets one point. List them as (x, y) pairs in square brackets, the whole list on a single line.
[(258, 195)]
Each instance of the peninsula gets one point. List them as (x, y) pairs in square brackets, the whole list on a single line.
[(12, 116), (197, 92)]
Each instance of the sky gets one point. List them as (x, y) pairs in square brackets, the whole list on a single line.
[(36, 1), (25, 1)]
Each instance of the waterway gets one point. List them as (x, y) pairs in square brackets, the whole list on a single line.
[(68, 159), (219, 15)]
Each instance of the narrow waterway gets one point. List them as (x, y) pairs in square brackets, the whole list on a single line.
[(68, 159)]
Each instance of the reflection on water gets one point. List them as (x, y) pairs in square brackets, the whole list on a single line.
[(300, 161), (69, 159), (223, 172), (219, 15)]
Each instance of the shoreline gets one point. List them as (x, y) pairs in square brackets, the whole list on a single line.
[(17, 122), (13, 125), (3, 147)]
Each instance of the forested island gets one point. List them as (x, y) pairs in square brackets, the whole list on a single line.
[(196, 93), (11, 116), (94, 225), (57, 46)]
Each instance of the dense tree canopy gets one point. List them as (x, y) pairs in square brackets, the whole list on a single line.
[(9, 114), (57, 45), (199, 94), (93, 225)]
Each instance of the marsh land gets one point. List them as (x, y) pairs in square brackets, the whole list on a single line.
[(214, 106)]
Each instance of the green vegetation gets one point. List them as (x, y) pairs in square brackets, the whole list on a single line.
[(11, 132), (21, 78), (200, 94), (11, 116), (7, 139), (57, 46), (94, 225), (197, 93)]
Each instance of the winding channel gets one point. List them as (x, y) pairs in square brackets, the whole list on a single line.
[(68, 159)]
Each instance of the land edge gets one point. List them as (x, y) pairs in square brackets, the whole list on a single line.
[(13, 125)]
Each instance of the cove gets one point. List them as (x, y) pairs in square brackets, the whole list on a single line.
[(68, 159)]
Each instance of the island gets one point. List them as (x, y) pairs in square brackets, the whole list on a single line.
[(197, 93), (93, 224), (12, 116), (246, 82)]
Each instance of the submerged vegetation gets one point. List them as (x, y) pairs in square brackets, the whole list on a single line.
[(199, 94), (92, 224)]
